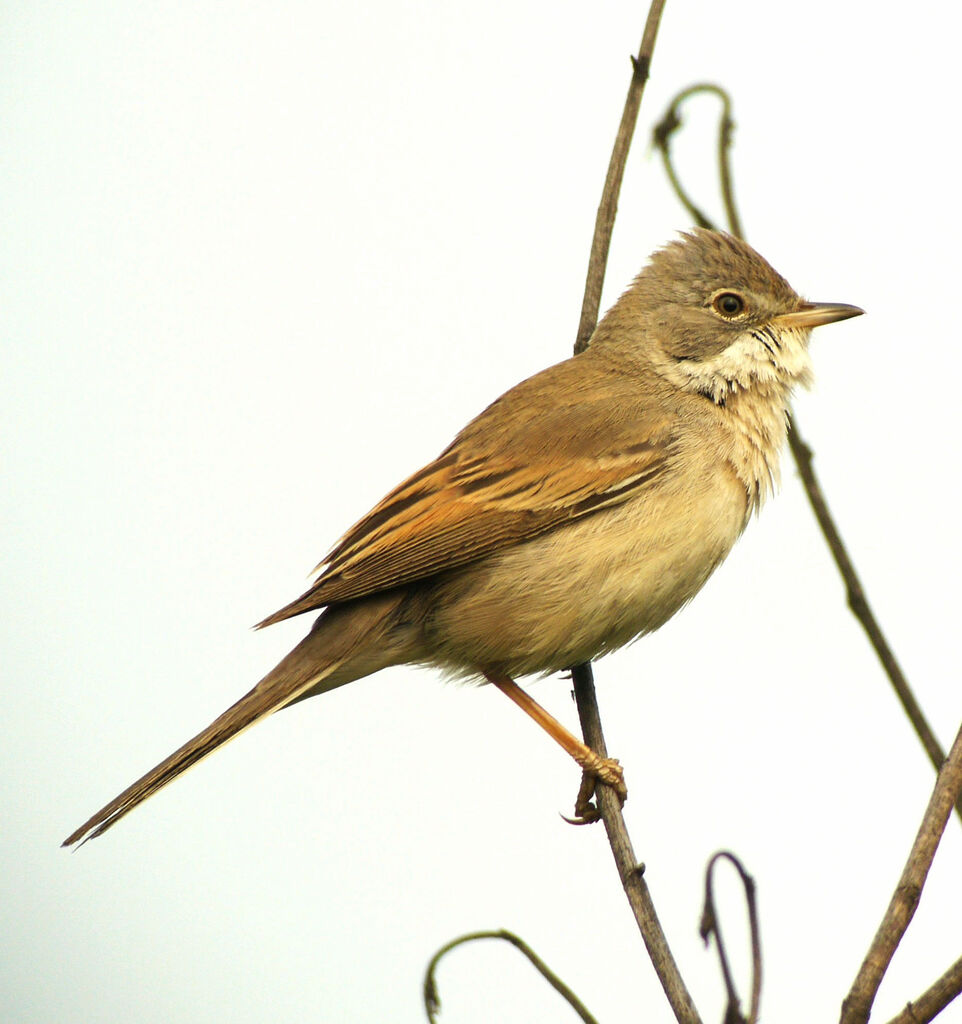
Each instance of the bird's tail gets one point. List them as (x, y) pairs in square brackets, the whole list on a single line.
[(342, 646)]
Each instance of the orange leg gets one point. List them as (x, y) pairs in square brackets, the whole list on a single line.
[(603, 769)]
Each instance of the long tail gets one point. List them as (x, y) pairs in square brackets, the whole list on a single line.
[(318, 663)]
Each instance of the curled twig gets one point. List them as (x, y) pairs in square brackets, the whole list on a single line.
[(710, 926), (666, 128), (432, 1001)]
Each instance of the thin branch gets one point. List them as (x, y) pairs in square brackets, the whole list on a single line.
[(857, 601), (934, 999), (608, 207), (432, 1001), (858, 1003), (629, 870), (710, 926)]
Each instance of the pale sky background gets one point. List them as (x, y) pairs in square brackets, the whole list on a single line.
[(261, 261)]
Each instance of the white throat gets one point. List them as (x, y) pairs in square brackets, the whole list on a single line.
[(753, 380), (764, 358)]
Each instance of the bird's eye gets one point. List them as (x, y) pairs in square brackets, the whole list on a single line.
[(728, 304)]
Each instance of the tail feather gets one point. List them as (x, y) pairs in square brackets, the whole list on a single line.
[(343, 645), (276, 689)]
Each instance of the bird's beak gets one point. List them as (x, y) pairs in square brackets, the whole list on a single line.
[(814, 314)]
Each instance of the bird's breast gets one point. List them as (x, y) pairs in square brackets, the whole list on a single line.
[(757, 424), (589, 587)]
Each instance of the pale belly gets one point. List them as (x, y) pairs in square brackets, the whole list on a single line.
[(584, 589)]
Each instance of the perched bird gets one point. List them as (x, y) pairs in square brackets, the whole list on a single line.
[(580, 510)]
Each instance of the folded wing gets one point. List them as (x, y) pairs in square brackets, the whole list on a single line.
[(477, 497)]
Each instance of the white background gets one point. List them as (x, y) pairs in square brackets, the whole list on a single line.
[(260, 261)]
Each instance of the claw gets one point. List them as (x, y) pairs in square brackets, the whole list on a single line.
[(591, 815), (610, 772)]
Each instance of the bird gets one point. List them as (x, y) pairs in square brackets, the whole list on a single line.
[(580, 510)]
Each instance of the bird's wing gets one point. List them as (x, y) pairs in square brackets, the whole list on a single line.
[(518, 470)]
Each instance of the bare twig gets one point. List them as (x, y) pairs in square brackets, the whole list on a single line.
[(934, 999), (670, 123), (859, 605), (710, 926), (432, 1001), (629, 870), (857, 601), (608, 207), (858, 1003)]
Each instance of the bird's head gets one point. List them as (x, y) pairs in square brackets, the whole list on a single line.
[(715, 318)]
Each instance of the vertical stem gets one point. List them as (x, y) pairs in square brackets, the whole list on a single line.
[(629, 870)]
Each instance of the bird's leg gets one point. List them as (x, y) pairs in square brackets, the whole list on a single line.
[(595, 768)]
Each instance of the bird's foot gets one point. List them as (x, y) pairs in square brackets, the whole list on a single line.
[(606, 770)]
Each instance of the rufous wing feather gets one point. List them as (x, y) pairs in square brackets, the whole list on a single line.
[(470, 502)]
